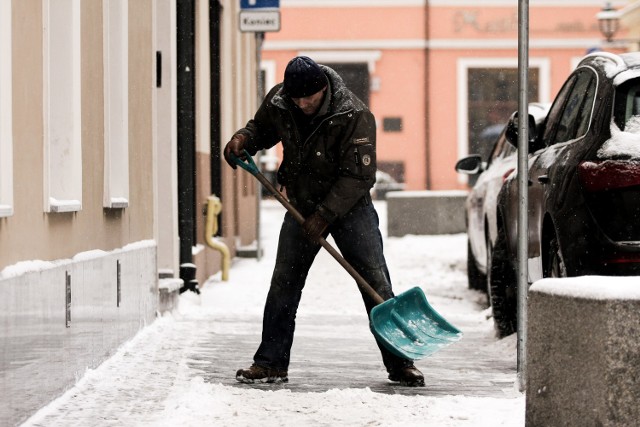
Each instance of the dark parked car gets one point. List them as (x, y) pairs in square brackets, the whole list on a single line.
[(481, 202), (384, 184), (584, 185)]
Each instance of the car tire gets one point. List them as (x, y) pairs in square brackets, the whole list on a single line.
[(503, 285), (477, 280), (554, 265), (489, 252)]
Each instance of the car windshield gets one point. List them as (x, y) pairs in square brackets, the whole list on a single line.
[(627, 108)]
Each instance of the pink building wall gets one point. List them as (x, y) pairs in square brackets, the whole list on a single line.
[(418, 58)]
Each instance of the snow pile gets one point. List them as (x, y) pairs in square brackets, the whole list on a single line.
[(32, 266), (228, 406), (612, 64), (591, 287), (23, 267)]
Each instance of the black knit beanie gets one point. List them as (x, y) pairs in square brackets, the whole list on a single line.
[(303, 77)]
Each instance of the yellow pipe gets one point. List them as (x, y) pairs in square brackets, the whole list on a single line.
[(214, 207)]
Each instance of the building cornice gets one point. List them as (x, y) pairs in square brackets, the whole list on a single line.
[(439, 3), (436, 44)]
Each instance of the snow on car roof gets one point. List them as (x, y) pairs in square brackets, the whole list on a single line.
[(625, 76)]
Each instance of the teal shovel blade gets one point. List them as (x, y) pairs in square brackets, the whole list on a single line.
[(409, 327)]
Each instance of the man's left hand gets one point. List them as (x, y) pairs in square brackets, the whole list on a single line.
[(315, 226)]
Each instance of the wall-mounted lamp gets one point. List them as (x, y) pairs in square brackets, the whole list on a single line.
[(608, 21)]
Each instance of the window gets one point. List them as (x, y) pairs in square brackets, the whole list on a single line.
[(6, 134), (502, 149), (586, 108), (392, 124), (493, 97), (355, 77), (627, 105), (62, 112), (116, 108), (394, 169), (354, 66), (576, 112), (488, 95), (556, 109)]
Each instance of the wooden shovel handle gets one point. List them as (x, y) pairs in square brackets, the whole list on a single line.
[(362, 284)]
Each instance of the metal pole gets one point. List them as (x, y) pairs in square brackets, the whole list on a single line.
[(185, 51), (215, 27), (523, 185), (261, 94)]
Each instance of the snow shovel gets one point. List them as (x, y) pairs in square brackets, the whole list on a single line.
[(406, 324)]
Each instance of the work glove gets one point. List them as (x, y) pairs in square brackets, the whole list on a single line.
[(236, 146), (315, 226)]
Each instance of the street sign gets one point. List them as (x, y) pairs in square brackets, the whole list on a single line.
[(259, 16), (259, 4), (259, 20)]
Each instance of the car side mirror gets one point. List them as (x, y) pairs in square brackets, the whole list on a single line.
[(470, 165), (511, 134)]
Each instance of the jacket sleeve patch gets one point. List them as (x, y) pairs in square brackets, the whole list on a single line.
[(361, 141)]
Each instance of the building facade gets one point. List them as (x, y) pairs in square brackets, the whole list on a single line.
[(440, 75), (630, 23), (112, 117)]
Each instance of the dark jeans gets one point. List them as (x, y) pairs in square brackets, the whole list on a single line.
[(358, 237)]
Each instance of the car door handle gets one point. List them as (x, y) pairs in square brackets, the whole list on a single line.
[(543, 179)]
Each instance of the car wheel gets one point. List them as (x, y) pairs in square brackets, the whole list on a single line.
[(477, 280), (503, 284), (555, 266)]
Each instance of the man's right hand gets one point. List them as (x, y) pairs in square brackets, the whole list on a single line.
[(235, 146)]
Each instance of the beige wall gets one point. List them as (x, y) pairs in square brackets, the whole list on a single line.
[(238, 102), (421, 47), (111, 289), (630, 23), (32, 234), (79, 309), (165, 137)]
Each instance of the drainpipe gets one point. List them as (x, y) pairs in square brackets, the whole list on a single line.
[(214, 207), (185, 46), (215, 12), (427, 147)]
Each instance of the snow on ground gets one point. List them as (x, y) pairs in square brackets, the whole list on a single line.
[(129, 390)]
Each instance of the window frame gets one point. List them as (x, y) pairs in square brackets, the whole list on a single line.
[(558, 109), (577, 99), (620, 111), (62, 109), (116, 104), (462, 102)]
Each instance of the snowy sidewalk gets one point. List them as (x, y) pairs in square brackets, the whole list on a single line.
[(180, 371)]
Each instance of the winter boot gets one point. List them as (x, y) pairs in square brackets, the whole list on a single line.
[(408, 376), (261, 374)]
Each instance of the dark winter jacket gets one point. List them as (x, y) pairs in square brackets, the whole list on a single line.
[(334, 167)]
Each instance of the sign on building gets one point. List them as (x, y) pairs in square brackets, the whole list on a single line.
[(259, 4), (259, 15)]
